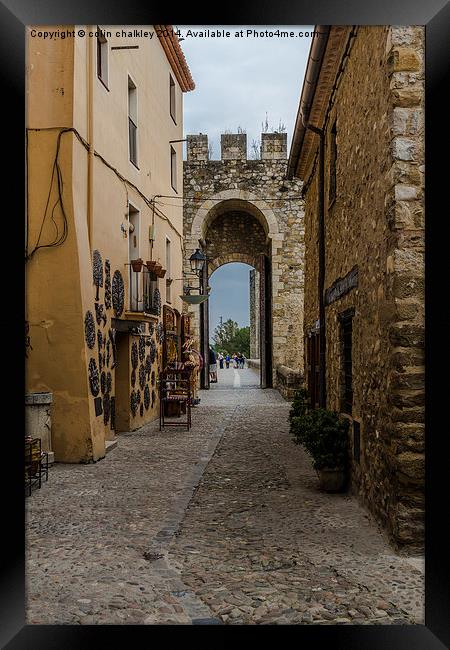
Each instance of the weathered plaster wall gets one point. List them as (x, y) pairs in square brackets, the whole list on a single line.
[(60, 288)]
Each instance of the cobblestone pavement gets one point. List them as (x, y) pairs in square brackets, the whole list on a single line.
[(221, 524)]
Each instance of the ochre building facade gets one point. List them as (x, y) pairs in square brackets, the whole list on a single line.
[(367, 97), (102, 112)]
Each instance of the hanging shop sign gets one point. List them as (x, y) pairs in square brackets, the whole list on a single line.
[(342, 286)]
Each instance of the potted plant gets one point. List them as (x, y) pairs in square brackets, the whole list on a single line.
[(157, 268), (151, 264), (161, 273), (300, 404), (324, 436), (137, 264)]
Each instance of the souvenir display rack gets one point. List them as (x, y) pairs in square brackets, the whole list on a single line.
[(175, 390), (36, 464)]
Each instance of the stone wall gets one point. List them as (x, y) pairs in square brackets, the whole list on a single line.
[(230, 233), (374, 225), (239, 208), (289, 381), (405, 286)]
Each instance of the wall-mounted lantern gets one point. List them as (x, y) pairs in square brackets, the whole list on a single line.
[(197, 260)]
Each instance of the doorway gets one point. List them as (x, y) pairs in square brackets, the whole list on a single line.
[(238, 316), (122, 381)]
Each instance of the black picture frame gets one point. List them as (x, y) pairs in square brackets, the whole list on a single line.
[(435, 14)]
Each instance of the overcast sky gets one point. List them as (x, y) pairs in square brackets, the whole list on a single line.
[(238, 81)]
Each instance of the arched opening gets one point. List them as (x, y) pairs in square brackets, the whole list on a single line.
[(235, 231), (233, 325)]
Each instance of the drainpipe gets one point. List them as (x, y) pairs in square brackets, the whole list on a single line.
[(90, 128), (321, 275), (312, 73)]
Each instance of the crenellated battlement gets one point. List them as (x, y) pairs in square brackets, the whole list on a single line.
[(234, 147)]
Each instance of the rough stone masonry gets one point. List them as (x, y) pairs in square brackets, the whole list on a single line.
[(238, 209)]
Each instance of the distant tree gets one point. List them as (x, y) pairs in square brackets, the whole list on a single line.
[(230, 338), (242, 341), (225, 333), (256, 149), (266, 128), (238, 130)]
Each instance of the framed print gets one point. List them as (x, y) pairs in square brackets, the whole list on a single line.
[(343, 207)]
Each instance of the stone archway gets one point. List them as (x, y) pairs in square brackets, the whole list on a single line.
[(260, 215), (235, 231)]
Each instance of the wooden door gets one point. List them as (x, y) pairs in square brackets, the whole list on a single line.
[(265, 321), (312, 365), (204, 331)]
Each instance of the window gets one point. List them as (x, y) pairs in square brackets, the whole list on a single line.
[(312, 356), (132, 120), (173, 168), (102, 58), (133, 253), (346, 323), (151, 304), (172, 99), (168, 272), (333, 156)]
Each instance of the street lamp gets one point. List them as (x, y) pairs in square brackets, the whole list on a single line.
[(197, 260)]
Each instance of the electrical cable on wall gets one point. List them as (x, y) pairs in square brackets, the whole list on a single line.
[(61, 238)]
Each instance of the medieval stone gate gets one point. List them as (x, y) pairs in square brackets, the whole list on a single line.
[(241, 210)]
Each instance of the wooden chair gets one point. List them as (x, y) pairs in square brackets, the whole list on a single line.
[(175, 387)]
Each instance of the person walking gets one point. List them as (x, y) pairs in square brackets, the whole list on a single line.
[(212, 366), (221, 360), (227, 360)]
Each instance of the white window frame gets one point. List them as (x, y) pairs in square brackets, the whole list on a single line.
[(168, 253), (172, 99), (103, 64), (173, 169), (132, 112), (131, 277)]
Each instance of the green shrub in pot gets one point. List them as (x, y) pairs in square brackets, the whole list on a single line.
[(300, 404), (324, 436)]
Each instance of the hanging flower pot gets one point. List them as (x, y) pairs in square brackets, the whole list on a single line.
[(137, 265), (151, 264), (161, 273), (158, 268)]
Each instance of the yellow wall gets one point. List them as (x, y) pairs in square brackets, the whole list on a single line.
[(60, 286)]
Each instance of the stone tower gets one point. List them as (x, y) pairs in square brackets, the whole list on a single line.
[(242, 210)]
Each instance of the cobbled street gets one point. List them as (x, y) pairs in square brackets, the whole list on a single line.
[(221, 524)]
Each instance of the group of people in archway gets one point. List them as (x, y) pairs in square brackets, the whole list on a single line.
[(237, 359)]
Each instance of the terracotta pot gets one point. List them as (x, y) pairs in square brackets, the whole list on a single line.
[(137, 264), (161, 273), (332, 479), (151, 264), (157, 268)]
